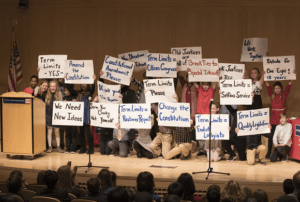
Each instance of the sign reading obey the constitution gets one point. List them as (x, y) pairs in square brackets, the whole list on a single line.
[(159, 90), (52, 66), (161, 65), (203, 70), (104, 115), (252, 122), (135, 116), (174, 114), (138, 57), (79, 71), (219, 126), (109, 93), (117, 70), (236, 92), (184, 54), (231, 71), (254, 49), (279, 68), (67, 113)]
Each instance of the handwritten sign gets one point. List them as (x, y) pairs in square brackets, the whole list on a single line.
[(158, 90), (279, 68), (109, 93), (252, 122), (67, 113), (117, 70), (161, 65), (104, 115), (52, 66), (231, 71), (135, 116), (79, 71), (254, 49), (174, 114), (236, 92), (184, 54), (138, 57), (203, 70), (219, 127)]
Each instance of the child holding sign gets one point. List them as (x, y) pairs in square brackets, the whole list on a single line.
[(120, 141), (42, 90), (33, 84)]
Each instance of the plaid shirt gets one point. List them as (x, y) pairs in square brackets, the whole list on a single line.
[(162, 129), (140, 85), (182, 135)]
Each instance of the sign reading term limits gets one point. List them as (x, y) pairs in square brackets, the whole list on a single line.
[(51, 66)]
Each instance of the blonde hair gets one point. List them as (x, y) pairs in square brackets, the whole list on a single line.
[(232, 190), (217, 106), (282, 114), (274, 94), (64, 178), (40, 92), (57, 93)]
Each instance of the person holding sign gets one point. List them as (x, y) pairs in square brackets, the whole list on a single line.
[(282, 139), (42, 90), (120, 141), (33, 84)]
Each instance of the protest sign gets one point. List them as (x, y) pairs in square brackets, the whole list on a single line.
[(279, 68), (67, 113), (174, 114), (117, 70), (109, 93), (79, 71), (52, 66), (138, 57), (254, 49), (203, 70), (236, 92), (135, 116), (252, 122), (219, 126), (184, 54), (104, 115), (159, 90), (231, 71), (161, 65)]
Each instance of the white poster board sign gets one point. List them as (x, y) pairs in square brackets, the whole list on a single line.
[(174, 114), (52, 66), (138, 57), (67, 113), (254, 49), (252, 122), (231, 71), (104, 115), (219, 126), (117, 70), (109, 93), (279, 68), (161, 65), (135, 116), (159, 90), (79, 71), (203, 70), (184, 54), (236, 92)]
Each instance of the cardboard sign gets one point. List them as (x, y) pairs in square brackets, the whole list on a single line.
[(67, 113), (236, 92), (254, 49), (161, 65), (159, 90), (203, 70), (219, 126), (279, 68), (79, 71), (109, 93), (52, 66), (231, 71), (138, 57), (174, 114), (252, 122), (184, 54), (117, 70), (135, 116), (104, 115)]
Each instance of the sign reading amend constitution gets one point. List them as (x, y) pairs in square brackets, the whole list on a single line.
[(104, 115), (67, 113), (51, 66), (79, 71), (135, 116)]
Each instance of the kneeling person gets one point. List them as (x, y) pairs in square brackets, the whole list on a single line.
[(120, 141)]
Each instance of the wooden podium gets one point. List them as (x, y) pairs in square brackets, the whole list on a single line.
[(23, 119)]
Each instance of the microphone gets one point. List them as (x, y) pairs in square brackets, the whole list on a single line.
[(210, 104)]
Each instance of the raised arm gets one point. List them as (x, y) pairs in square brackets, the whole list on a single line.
[(261, 81)]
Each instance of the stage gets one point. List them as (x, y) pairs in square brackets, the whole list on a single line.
[(267, 177)]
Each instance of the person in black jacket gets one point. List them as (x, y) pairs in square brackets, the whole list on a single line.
[(93, 186)]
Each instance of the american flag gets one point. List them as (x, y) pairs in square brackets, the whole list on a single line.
[(15, 71)]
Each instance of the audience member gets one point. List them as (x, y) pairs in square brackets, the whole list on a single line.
[(8, 198), (232, 191), (176, 188), (14, 186), (41, 178), (118, 195), (20, 174), (172, 198), (145, 182), (261, 195), (131, 194), (113, 178), (213, 195), (189, 187), (105, 181), (93, 186), (247, 191), (296, 183), (143, 197), (251, 199), (288, 186), (287, 198)]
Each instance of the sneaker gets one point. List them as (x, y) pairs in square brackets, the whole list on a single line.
[(231, 158), (160, 156), (201, 153), (67, 152), (73, 152), (82, 152), (285, 159), (59, 150), (49, 150)]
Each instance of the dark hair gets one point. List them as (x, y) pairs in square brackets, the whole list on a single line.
[(172, 198), (51, 178), (145, 182), (261, 195), (247, 191), (8, 198), (251, 199), (288, 186), (113, 178), (287, 198), (176, 188), (131, 193), (215, 187), (188, 186), (296, 180), (41, 178), (34, 76), (143, 197), (93, 185), (117, 195), (14, 184), (16, 172), (213, 195), (105, 179), (226, 199)]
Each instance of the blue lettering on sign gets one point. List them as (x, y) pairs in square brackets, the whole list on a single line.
[(253, 125), (76, 77), (76, 64), (297, 133)]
